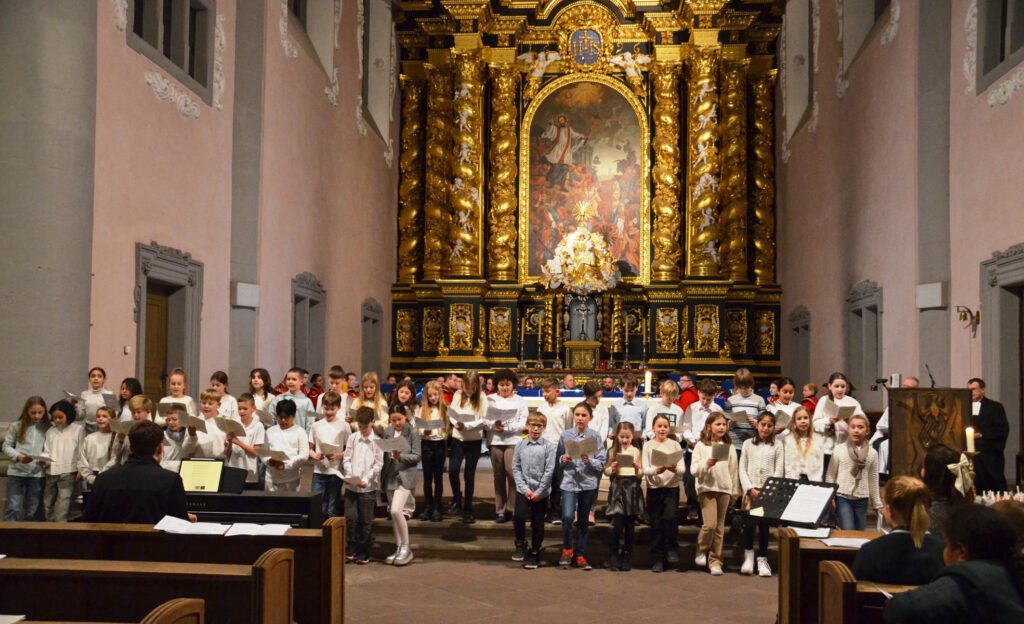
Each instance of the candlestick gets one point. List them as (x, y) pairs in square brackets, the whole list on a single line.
[(970, 439), (647, 382)]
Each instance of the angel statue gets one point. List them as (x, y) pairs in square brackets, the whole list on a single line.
[(631, 65), (537, 64)]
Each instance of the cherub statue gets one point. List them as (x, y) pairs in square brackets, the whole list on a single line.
[(465, 153), (705, 118), (631, 66), (537, 64), (703, 151)]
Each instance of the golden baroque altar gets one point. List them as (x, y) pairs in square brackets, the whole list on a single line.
[(656, 115)]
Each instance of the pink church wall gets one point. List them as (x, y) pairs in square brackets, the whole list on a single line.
[(328, 200), (847, 198), (159, 177), (985, 176)]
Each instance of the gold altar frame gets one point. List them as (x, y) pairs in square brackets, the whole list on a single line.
[(645, 173)]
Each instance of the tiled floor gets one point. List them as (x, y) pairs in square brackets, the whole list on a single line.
[(459, 591)]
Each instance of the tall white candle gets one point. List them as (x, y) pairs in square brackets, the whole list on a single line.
[(647, 382), (970, 439)]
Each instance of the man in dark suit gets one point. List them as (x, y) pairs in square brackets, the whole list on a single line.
[(990, 431), (138, 491)]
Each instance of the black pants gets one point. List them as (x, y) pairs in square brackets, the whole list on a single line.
[(470, 452), (433, 472), (763, 534), (537, 511), (621, 523), (555, 506), (359, 519), (663, 510), (690, 484)]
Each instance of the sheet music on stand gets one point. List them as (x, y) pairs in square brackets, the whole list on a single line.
[(794, 503)]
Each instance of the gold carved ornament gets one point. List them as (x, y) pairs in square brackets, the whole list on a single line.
[(702, 217), (464, 231), (763, 170), (586, 29), (666, 333), (438, 176), (410, 189), (665, 235), (433, 329), (549, 323), (705, 327), (733, 249), (524, 165), (500, 330), (765, 321), (736, 330), (460, 327), (501, 250), (405, 330)]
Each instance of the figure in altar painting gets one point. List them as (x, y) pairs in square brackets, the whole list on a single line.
[(584, 142)]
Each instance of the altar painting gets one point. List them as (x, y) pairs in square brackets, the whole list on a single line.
[(585, 143)]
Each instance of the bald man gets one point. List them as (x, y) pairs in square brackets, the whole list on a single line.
[(882, 430)]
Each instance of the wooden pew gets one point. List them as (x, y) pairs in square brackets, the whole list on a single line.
[(55, 589), (177, 611), (798, 572), (842, 599), (319, 554)]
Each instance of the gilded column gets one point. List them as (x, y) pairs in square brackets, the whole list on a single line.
[(410, 189), (763, 173), (465, 230), (501, 250), (665, 233), (702, 228), (733, 248), (438, 177)]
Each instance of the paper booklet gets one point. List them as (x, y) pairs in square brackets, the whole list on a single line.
[(328, 449), (720, 451), (830, 408), (844, 542), (72, 396), (740, 415), (495, 414), (821, 533), (36, 458), (661, 458), (163, 408), (121, 426), (199, 423), (352, 480), (625, 460), (265, 418), (428, 425), (462, 417), (246, 528), (280, 456), (397, 443), (578, 448), (783, 418), (228, 425), (170, 524)]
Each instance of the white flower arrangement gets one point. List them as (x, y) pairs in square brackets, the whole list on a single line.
[(582, 263)]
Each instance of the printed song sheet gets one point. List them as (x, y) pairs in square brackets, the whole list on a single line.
[(807, 504)]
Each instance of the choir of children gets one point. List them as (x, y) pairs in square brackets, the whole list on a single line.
[(547, 463)]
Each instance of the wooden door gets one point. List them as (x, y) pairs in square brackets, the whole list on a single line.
[(156, 344)]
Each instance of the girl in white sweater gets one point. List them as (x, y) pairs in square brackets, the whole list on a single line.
[(718, 485), (833, 428), (470, 406), (803, 449), (504, 435), (761, 458), (854, 467)]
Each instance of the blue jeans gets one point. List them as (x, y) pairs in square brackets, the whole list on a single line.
[(576, 506), (852, 512), (330, 485), (24, 495)]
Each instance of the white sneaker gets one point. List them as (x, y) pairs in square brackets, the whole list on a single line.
[(763, 569), (700, 560), (716, 569), (391, 558), (748, 562)]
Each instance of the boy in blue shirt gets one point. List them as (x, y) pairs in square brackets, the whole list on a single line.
[(533, 466)]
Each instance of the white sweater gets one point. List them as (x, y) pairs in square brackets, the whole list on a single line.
[(514, 426), (723, 477), (758, 462), (823, 425), (559, 419), (797, 463), (864, 486), (61, 446), (474, 429), (93, 454), (294, 443)]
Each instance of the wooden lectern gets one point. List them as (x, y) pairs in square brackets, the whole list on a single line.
[(920, 418)]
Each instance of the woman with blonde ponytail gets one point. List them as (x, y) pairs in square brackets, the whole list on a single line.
[(909, 555)]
